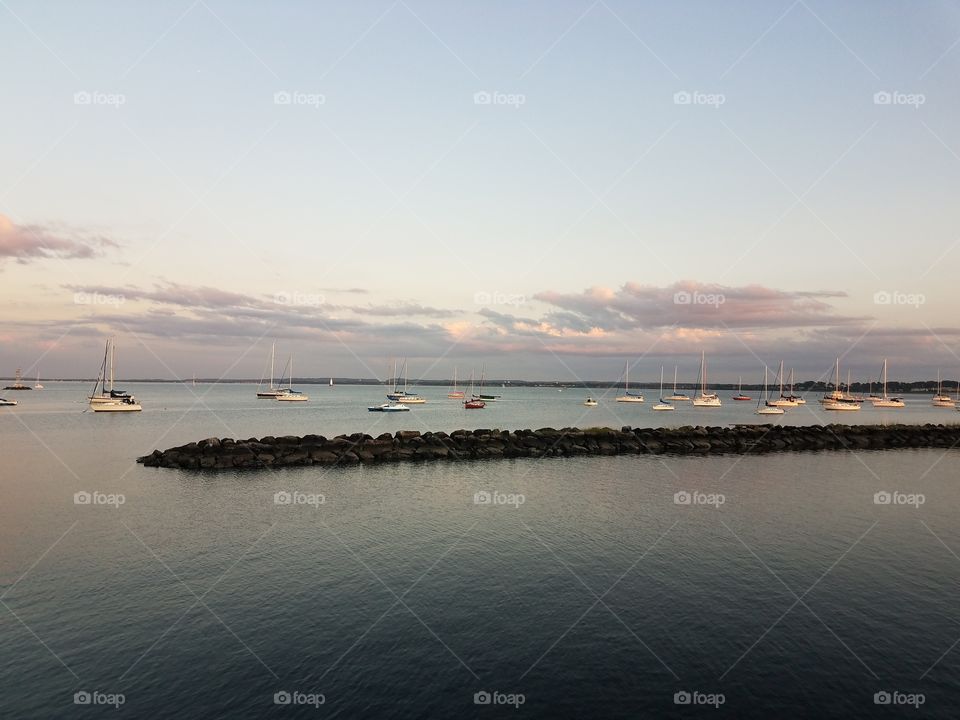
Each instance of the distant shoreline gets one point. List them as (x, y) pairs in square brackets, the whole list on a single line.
[(807, 387)]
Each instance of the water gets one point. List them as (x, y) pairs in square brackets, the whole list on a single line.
[(400, 597)]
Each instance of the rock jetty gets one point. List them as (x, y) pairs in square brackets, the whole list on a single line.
[(412, 445)]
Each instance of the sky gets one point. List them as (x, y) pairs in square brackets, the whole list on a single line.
[(548, 189)]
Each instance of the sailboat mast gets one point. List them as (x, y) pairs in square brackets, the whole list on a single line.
[(273, 350), (780, 373), (113, 354), (674, 379)]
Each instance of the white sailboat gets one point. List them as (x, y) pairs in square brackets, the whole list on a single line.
[(110, 399), (455, 393), (677, 396), (38, 386), (288, 394), (783, 400), (389, 406), (886, 401), (703, 398), (628, 397), (768, 407), (8, 403), (272, 390), (837, 399), (662, 405), (404, 396), (940, 399)]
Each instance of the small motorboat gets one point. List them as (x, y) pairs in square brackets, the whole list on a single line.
[(389, 407), (590, 402)]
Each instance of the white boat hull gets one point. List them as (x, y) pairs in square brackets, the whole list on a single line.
[(888, 404), (116, 407), (770, 411), (661, 407), (706, 401), (841, 406), (630, 399)]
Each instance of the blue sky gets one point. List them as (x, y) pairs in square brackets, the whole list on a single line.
[(547, 232)]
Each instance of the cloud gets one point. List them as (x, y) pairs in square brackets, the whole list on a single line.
[(691, 305), (27, 243)]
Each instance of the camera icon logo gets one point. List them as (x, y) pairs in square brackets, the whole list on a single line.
[(682, 98), (482, 98), (882, 698), (282, 97), (82, 498), (282, 698), (682, 298), (282, 497), (482, 498), (482, 698), (882, 498), (82, 98), (82, 698), (682, 498), (882, 98), (682, 698)]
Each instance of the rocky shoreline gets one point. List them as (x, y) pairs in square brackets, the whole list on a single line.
[(411, 445)]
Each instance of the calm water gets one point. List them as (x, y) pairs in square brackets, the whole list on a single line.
[(598, 596)]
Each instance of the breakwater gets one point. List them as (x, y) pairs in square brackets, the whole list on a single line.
[(412, 445)]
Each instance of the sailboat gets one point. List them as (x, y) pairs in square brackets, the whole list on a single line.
[(474, 403), (796, 398), (837, 399), (885, 401), (272, 390), (8, 403), (703, 398), (628, 397), (288, 394), (403, 396), (768, 408), (660, 406), (677, 396), (590, 402), (941, 400), (18, 383), (331, 382), (38, 386), (390, 405), (740, 396), (454, 393), (783, 400), (110, 399)]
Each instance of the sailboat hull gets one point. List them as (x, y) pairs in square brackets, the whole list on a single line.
[(116, 407), (630, 399)]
